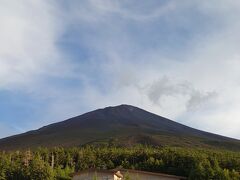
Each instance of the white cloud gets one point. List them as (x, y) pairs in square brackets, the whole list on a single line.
[(116, 7), (29, 31)]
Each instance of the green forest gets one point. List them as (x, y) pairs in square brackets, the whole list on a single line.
[(60, 163)]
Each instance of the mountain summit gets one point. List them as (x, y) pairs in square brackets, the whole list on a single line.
[(125, 125)]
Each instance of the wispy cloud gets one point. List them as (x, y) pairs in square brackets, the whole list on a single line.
[(29, 31)]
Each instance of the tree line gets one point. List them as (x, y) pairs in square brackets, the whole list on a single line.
[(60, 163)]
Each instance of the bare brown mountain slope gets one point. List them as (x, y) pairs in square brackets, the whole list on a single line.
[(126, 125)]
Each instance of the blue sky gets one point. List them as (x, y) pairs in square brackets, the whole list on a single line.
[(178, 59)]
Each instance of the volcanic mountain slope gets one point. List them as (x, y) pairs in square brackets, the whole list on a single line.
[(125, 125)]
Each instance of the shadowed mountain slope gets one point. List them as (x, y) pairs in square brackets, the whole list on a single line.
[(125, 125)]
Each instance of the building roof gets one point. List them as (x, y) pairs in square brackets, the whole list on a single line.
[(118, 171), (151, 173)]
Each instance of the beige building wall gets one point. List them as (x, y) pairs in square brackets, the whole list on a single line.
[(116, 178)]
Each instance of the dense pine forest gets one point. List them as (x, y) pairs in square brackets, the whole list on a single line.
[(60, 163)]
